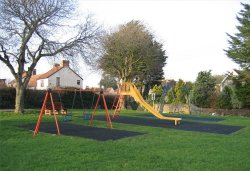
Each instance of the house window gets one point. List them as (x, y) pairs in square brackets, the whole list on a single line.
[(57, 81), (78, 82), (42, 83)]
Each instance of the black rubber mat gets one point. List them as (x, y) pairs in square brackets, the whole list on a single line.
[(187, 117), (185, 125), (100, 134)]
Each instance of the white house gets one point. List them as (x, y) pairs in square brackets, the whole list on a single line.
[(227, 81), (59, 76)]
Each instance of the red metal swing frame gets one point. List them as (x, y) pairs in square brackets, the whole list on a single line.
[(49, 94), (106, 110)]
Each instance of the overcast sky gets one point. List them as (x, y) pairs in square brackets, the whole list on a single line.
[(193, 32)]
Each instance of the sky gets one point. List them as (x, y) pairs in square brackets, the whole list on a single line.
[(193, 33)]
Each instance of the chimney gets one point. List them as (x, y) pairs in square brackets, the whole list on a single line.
[(56, 65), (34, 72), (65, 63)]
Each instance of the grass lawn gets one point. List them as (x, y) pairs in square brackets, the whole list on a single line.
[(157, 149)]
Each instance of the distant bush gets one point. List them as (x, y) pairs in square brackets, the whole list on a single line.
[(203, 90), (243, 93), (7, 98), (224, 100), (35, 98)]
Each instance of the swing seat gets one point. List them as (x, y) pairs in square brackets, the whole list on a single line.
[(59, 109), (87, 116), (67, 117)]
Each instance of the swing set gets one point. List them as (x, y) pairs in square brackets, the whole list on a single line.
[(86, 115), (56, 109)]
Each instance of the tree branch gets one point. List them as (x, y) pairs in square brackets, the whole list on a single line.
[(5, 59)]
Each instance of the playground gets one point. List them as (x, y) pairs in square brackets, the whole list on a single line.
[(104, 134), (53, 138), (137, 141), (113, 104), (59, 138)]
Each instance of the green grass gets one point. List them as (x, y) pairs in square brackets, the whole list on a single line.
[(157, 149)]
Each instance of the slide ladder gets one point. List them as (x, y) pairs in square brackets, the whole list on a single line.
[(131, 90), (119, 106)]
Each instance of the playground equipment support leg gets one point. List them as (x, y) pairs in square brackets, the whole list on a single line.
[(48, 93), (93, 113), (54, 112), (106, 110), (41, 114)]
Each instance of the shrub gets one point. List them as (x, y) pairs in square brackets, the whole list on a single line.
[(7, 98), (203, 89), (35, 98), (224, 100)]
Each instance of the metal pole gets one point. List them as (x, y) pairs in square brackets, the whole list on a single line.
[(41, 114), (54, 112)]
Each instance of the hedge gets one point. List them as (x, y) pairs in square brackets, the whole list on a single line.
[(34, 99)]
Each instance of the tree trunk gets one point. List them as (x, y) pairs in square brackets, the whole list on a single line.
[(19, 104), (189, 104), (146, 90)]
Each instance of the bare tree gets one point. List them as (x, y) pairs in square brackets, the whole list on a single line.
[(35, 29)]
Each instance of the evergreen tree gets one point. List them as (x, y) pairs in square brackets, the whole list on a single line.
[(242, 88), (203, 89), (239, 49), (224, 100), (157, 89), (179, 90)]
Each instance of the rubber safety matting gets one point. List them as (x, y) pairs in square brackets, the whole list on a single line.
[(187, 117), (100, 134), (185, 125)]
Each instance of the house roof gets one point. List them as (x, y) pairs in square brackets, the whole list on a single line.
[(53, 71), (50, 72), (33, 79), (76, 73)]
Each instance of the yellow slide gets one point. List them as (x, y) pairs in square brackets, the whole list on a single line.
[(131, 90)]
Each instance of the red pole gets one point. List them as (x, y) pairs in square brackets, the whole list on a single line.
[(54, 112), (93, 113), (117, 107), (106, 110), (41, 114), (113, 105)]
